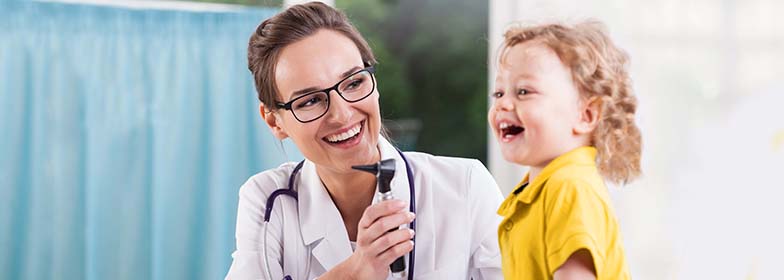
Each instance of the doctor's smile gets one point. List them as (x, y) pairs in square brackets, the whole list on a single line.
[(347, 137)]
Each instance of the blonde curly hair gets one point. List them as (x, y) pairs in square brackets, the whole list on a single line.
[(599, 70)]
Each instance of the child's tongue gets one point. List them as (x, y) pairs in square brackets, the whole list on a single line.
[(512, 130)]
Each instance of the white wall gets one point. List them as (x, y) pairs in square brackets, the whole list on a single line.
[(709, 76)]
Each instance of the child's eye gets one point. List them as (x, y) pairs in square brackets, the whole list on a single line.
[(522, 92), (497, 94)]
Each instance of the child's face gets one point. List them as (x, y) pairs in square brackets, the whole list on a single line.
[(536, 106)]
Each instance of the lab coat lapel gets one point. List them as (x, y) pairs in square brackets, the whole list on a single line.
[(320, 221)]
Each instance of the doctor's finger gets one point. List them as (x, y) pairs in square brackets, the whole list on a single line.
[(396, 251), (389, 240), (378, 210), (385, 224), (381, 226)]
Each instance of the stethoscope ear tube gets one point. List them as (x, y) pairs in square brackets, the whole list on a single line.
[(412, 208), (268, 213), (271, 200), (265, 227)]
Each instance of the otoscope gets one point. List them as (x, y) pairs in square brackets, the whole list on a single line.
[(384, 171)]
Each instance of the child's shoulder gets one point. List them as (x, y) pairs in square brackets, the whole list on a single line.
[(577, 179)]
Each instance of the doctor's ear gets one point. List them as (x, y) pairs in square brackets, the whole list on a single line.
[(590, 113), (273, 121)]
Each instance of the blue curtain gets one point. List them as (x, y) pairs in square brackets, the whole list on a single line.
[(124, 137)]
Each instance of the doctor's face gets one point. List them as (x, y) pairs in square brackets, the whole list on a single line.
[(347, 134)]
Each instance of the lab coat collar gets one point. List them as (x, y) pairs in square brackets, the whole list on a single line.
[(319, 218)]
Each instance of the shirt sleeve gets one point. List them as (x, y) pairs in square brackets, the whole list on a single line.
[(484, 198), (575, 219), (248, 258)]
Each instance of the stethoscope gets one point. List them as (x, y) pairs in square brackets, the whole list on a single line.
[(292, 193)]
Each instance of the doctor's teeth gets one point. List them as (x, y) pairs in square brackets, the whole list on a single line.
[(345, 135)]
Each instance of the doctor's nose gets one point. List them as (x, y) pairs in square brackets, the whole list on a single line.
[(340, 110)]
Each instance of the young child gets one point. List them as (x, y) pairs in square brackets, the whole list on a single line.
[(563, 105)]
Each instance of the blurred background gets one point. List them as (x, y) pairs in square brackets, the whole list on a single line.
[(127, 127)]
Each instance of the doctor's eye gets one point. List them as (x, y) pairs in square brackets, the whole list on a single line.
[(353, 84), (310, 101)]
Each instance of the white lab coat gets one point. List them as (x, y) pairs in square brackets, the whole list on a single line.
[(456, 222)]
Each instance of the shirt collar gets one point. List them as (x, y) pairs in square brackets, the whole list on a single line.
[(581, 155)]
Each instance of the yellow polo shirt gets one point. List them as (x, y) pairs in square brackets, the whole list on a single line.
[(565, 209)]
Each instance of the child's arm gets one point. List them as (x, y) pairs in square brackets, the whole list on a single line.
[(578, 266)]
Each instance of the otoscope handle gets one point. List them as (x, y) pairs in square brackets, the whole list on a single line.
[(385, 171), (399, 265)]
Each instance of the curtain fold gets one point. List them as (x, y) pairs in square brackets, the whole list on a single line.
[(125, 135)]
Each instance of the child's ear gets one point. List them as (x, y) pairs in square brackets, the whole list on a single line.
[(590, 114), (273, 121)]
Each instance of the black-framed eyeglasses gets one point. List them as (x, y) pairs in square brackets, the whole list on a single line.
[(315, 104)]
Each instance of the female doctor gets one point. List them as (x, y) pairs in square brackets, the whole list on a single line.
[(314, 74)]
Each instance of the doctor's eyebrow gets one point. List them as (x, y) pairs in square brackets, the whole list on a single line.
[(312, 89)]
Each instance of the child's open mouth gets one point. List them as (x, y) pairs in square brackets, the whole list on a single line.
[(509, 131)]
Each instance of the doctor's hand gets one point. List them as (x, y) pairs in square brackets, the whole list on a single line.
[(377, 246)]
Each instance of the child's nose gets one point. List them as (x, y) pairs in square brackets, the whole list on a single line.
[(505, 103)]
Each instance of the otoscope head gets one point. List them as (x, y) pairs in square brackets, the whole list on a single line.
[(384, 171), (370, 168)]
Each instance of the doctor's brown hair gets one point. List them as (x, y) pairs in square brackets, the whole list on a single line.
[(599, 70), (294, 24)]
